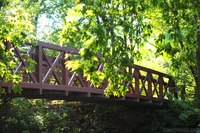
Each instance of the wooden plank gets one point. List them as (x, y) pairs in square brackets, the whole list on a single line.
[(150, 70), (53, 87), (82, 89), (137, 82), (58, 47), (149, 80), (71, 79)]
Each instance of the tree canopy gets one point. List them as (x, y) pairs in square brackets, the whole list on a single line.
[(16, 26)]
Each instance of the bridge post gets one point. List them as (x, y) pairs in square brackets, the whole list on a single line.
[(149, 79), (137, 82), (160, 87), (39, 66), (65, 73)]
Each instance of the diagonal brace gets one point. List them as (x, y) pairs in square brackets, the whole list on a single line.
[(46, 77), (21, 64), (25, 64), (50, 65)]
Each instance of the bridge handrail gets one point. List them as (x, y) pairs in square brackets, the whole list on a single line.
[(150, 83)]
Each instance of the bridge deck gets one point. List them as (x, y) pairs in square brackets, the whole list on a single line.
[(50, 78)]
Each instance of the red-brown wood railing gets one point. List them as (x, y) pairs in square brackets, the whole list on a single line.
[(50, 74)]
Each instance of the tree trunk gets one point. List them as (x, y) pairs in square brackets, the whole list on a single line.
[(183, 92), (197, 91)]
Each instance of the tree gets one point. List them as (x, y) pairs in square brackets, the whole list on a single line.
[(179, 38), (53, 14), (118, 29), (18, 24), (115, 29), (16, 27)]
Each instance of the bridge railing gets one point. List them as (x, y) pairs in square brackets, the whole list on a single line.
[(148, 84), (50, 73)]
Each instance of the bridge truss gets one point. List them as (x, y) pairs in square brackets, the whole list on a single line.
[(51, 79)]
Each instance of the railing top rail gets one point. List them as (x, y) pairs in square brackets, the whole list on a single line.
[(58, 47), (151, 71)]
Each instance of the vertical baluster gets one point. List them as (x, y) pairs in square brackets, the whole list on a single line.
[(137, 82), (65, 73), (39, 65), (160, 83), (149, 79), (24, 77), (129, 83)]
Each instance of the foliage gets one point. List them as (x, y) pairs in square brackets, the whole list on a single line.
[(22, 115), (51, 17), (178, 114), (177, 26), (118, 30), (114, 29), (16, 27)]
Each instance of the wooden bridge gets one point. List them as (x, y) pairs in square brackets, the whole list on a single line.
[(51, 79)]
